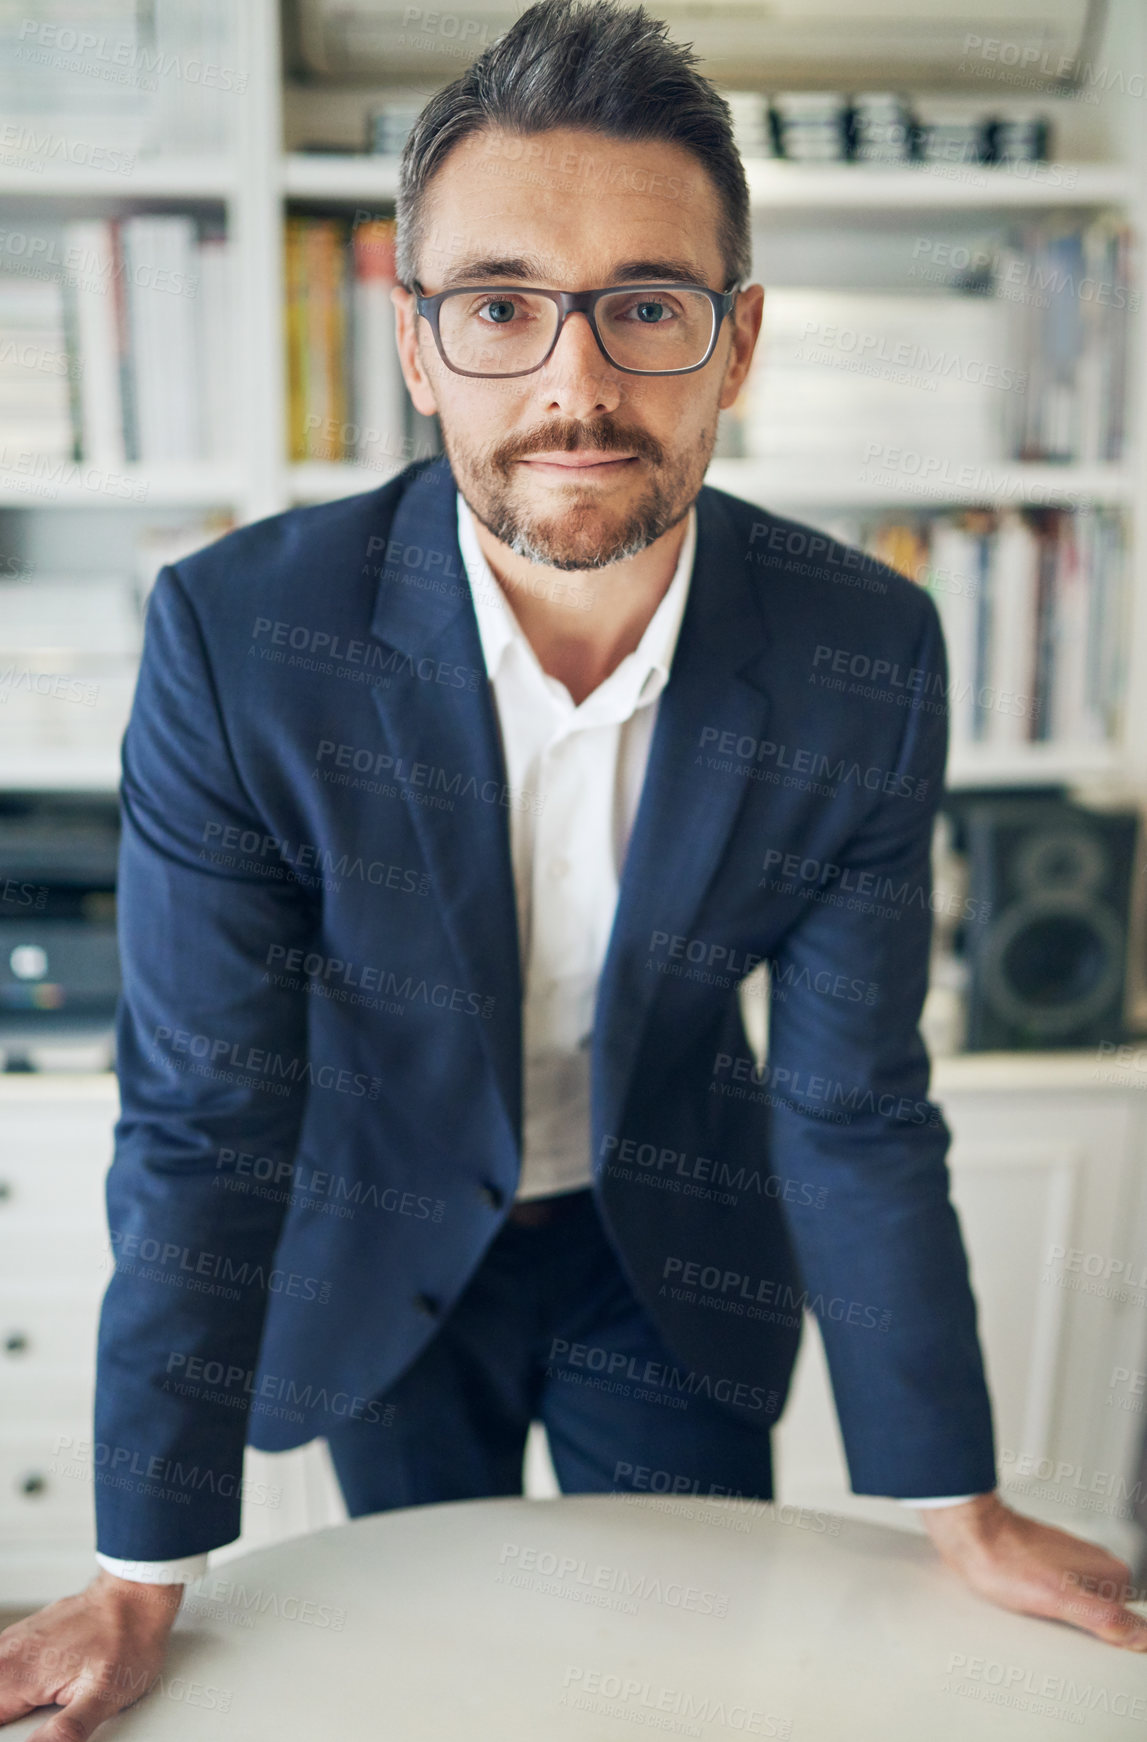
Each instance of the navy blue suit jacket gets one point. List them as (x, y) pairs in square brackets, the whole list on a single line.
[(320, 1030)]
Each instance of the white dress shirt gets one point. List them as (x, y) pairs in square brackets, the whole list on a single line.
[(582, 766)]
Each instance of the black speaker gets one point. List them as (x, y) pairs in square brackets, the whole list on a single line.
[(1049, 890)]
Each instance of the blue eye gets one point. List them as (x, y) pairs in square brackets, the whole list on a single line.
[(650, 312), (507, 311)]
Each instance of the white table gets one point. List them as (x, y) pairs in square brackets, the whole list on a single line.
[(603, 1617)]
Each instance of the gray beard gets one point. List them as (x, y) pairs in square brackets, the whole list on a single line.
[(557, 547), (558, 541)]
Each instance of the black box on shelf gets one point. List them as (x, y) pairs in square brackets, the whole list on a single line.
[(59, 964)]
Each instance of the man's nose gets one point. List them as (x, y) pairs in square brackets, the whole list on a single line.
[(578, 379)]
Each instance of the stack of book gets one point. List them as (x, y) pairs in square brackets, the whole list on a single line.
[(1034, 608), (346, 397), (1068, 290), (887, 127), (35, 371), (1021, 356), (123, 354), (102, 82), (69, 649), (856, 378), (70, 644)]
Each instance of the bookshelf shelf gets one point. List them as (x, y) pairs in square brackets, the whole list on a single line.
[(76, 484), (1059, 764), (944, 187), (996, 483), (319, 176), (786, 186), (1051, 763), (322, 481), (176, 178), (42, 770)]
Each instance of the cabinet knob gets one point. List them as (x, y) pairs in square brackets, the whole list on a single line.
[(5, 1190), (35, 1482), (15, 1343)]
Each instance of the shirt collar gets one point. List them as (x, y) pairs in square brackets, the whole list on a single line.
[(641, 675)]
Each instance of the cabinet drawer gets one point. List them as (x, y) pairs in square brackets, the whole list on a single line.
[(41, 1332), (34, 1250), (32, 1394), (45, 1488), (67, 1189)]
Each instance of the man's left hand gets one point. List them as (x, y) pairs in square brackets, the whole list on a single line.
[(1036, 1569)]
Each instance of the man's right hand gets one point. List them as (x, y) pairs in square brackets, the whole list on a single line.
[(92, 1654)]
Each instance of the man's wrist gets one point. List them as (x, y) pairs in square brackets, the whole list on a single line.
[(184, 1569), (161, 1600), (966, 1519), (937, 1500)]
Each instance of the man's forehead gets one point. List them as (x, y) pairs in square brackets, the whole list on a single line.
[(524, 206)]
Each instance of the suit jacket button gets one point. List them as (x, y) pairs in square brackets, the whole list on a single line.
[(492, 1196), (426, 1304)]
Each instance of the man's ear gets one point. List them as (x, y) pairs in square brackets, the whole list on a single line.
[(745, 321), (406, 324)]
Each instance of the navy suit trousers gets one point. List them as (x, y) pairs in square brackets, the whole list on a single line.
[(548, 1329)]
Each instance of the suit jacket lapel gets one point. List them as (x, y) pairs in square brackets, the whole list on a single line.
[(423, 610), (685, 812)]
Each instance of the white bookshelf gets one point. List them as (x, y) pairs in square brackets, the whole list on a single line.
[(339, 178), (997, 483), (253, 182), (61, 484), (775, 186), (174, 178), (326, 481)]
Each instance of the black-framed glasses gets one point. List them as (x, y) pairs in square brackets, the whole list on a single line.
[(509, 329)]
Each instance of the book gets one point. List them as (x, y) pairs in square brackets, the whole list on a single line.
[(346, 398), (90, 250), (1033, 606), (35, 369), (378, 390), (1008, 695)]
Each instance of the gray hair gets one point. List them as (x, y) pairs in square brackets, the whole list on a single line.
[(598, 65)]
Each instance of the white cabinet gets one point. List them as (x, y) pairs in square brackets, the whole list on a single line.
[(1049, 1185), (56, 1138), (55, 1146), (1046, 1169)]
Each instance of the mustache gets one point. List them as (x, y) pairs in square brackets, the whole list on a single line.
[(602, 436)]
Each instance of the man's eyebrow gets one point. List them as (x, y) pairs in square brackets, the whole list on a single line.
[(522, 269), (681, 271), (515, 269)]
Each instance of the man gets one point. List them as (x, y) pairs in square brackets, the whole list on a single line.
[(454, 814)]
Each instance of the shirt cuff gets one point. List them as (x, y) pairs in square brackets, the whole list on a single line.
[(946, 1499), (179, 1572)]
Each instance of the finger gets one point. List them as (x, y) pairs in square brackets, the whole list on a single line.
[(1109, 1621), (14, 1705), (1104, 1569), (77, 1720), (19, 1694), (1111, 1584)]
